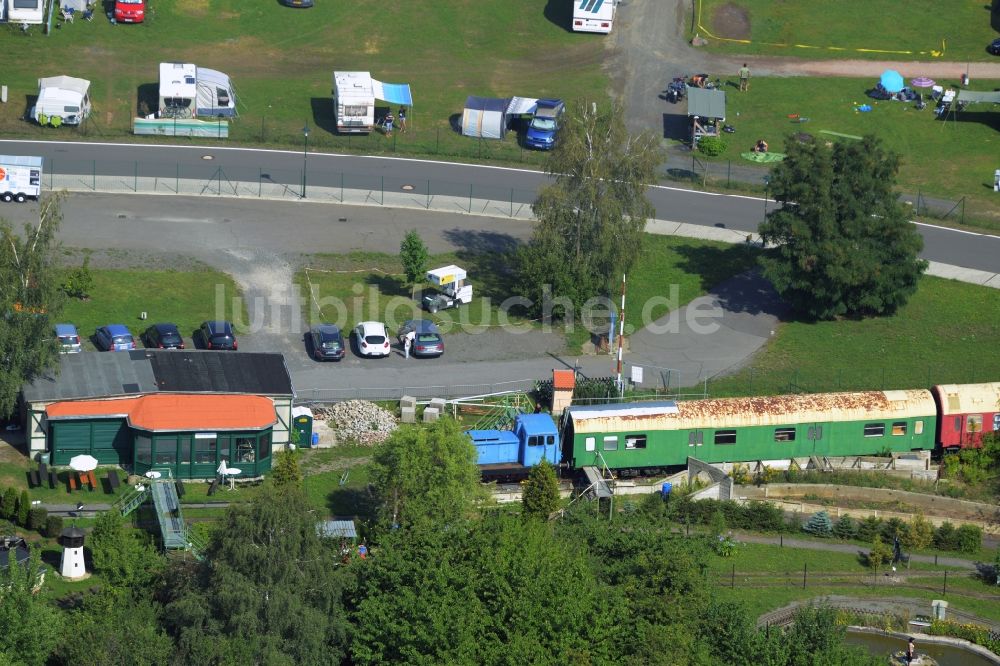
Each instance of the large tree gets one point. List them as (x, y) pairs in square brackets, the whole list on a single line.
[(29, 624), (425, 474), (591, 219), (30, 301), (124, 557), (842, 241)]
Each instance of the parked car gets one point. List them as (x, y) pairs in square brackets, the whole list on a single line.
[(301, 4), (218, 335), (372, 338), (163, 336), (427, 340), (327, 342), (544, 124), (130, 11), (114, 337), (69, 339), (994, 47)]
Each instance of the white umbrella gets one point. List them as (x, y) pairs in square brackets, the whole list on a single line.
[(83, 463), (222, 468)]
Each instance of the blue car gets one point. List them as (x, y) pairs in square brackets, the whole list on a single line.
[(114, 337), (544, 124)]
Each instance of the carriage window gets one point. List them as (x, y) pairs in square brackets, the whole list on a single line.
[(918, 427), (635, 441), (996, 422), (695, 438), (725, 436), (898, 428), (611, 443), (974, 423), (874, 429), (591, 443), (535, 440), (550, 440), (958, 424), (784, 434)]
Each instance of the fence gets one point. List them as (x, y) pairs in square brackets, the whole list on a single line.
[(421, 392)]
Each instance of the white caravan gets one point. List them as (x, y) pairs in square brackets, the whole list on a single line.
[(26, 12), (63, 97), (353, 102), (594, 15), (178, 90)]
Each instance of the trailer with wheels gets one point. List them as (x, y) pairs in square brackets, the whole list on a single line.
[(20, 178), (453, 290)]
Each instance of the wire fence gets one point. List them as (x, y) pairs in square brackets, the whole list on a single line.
[(390, 393)]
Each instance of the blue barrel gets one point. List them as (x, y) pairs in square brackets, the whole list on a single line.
[(315, 439), (665, 490)]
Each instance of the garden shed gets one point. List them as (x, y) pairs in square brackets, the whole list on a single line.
[(706, 109), (485, 117)]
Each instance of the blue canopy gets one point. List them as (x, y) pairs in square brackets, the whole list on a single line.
[(394, 93), (892, 80)]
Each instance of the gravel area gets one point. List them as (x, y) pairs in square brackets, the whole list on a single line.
[(358, 421)]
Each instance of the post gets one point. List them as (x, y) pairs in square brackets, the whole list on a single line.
[(512, 202), (732, 579), (767, 186), (305, 157), (177, 180), (621, 334), (729, 174), (260, 182), (805, 567), (945, 590), (382, 189), (935, 559), (429, 200), (342, 193), (781, 537), (135, 181), (437, 141), (94, 174), (470, 198)]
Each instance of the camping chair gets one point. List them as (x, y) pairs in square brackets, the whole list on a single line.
[(67, 14), (88, 13), (921, 104)]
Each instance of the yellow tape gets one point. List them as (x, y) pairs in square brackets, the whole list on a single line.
[(702, 29)]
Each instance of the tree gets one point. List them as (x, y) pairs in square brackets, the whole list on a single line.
[(79, 281), (541, 492), (413, 254), (268, 592), (881, 553), (286, 472), (111, 629), (29, 626), (846, 528), (819, 524), (23, 508), (124, 557), (8, 504), (590, 221), (843, 244), (920, 535), (425, 474), (30, 302)]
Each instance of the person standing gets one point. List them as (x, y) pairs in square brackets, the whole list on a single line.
[(911, 651), (744, 78), (401, 116), (388, 124), (408, 342)]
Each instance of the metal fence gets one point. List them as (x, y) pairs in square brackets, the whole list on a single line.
[(324, 395)]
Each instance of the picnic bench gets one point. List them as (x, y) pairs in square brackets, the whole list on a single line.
[(113, 481), (71, 481), (34, 478), (53, 479), (90, 479)]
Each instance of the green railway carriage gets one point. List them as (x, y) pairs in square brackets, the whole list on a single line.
[(638, 436)]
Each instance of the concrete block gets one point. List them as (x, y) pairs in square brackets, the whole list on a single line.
[(408, 414), (407, 401), (438, 404), (431, 414)]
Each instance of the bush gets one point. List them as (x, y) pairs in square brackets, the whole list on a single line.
[(869, 528), (881, 553), (79, 281), (23, 509), (968, 539), (53, 526), (846, 528), (819, 525), (894, 528), (945, 537), (717, 523), (8, 504), (37, 517), (713, 146), (920, 533)]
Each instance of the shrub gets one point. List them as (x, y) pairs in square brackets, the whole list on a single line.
[(819, 524), (763, 517), (713, 146), (79, 281), (968, 539), (920, 534), (23, 509), (8, 504), (881, 553), (37, 517), (53, 526), (894, 528), (945, 537), (846, 528), (868, 528), (717, 523)]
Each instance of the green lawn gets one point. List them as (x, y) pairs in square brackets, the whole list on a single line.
[(281, 61), (183, 298), (870, 29), (764, 558), (947, 333), (951, 160)]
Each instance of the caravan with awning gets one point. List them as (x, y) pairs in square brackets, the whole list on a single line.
[(354, 95)]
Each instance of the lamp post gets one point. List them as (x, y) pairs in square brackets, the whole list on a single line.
[(305, 157), (767, 186)]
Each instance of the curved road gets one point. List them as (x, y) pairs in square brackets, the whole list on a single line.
[(948, 246)]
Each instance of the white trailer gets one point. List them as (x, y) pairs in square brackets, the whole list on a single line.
[(63, 97), (594, 15), (178, 90), (454, 290), (26, 12), (353, 102), (20, 178)]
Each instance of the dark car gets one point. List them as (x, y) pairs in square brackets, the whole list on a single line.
[(301, 4), (218, 335), (994, 47), (327, 342), (114, 337), (427, 340), (163, 336)]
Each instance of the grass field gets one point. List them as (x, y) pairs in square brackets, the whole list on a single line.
[(952, 159), (183, 298), (281, 61), (947, 333), (870, 29)]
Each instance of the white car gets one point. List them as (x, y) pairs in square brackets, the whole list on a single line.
[(372, 338)]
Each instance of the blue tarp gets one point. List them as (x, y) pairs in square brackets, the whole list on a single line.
[(394, 93)]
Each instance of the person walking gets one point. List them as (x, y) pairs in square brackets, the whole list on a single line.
[(408, 342), (401, 116), (744, 78)]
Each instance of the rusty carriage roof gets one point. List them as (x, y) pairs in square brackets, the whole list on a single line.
[(968, 398), (755, 411)]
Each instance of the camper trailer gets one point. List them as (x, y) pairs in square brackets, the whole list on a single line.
[(353, 102), (26, 12), (20, 178), (594, 15), (178, 90), (63, 97)]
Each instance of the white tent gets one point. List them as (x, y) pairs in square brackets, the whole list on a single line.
[(485, 117), (215, 93), (63, 97)]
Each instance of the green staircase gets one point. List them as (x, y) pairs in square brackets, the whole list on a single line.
[(168, 514), (132, 500)]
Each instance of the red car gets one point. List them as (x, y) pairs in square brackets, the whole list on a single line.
[(130, 11)]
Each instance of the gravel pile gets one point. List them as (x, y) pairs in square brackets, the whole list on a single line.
[(358, 420)]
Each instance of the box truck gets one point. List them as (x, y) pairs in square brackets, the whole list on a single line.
[(20, 178)]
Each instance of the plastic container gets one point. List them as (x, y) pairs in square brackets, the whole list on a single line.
[(315, 439), (665, 489)]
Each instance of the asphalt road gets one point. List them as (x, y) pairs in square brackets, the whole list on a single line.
[(461, 180)]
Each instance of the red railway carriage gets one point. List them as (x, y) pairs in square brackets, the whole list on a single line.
[(966, 412)]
